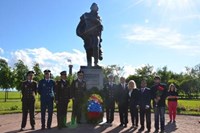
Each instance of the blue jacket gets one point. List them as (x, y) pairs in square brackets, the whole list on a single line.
[(46, 89)]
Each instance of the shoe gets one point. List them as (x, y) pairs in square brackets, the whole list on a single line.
[(33, 128), (162, 131), (141, 129), (170, 121), (48, 127), (133, 125), (149, 130), (174, 121), (22, 129), (121, 125), (110, 124), (156, 131), (43, 128), (125, 125), (65, 126)]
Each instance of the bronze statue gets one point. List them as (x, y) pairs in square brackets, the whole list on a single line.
[(89, 29)]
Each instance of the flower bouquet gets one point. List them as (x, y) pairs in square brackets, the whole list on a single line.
[(159, 93)]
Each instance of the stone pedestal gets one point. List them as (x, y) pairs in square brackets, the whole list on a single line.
[(93, 77)]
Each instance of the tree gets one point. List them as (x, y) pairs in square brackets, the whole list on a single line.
[(6, 77), (165, 74), (145, 72), (136, 78), (20, 71), (117, 71), (38, 73)]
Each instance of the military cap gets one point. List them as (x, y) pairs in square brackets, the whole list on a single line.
[(30, 72), (47, 71), (80, 71), (63, 73), (110, 75), (157, 77)]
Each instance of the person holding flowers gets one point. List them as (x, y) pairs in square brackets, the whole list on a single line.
[(172, 102), (159, 94)]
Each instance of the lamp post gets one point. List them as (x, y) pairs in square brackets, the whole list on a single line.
[(70, 69)]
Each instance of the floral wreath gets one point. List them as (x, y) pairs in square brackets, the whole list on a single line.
[(94, 108)]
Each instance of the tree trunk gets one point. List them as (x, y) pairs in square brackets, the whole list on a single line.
[(5, 96)]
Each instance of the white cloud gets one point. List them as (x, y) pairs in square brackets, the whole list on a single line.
[(189, 17), (1, 51), (128, 70), (56, 62), (163, 37)]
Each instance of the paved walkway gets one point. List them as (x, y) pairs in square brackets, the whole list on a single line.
[(11, 124)]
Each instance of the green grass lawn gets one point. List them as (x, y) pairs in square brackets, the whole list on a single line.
[(189, 107), (13, 104), (12, 95)]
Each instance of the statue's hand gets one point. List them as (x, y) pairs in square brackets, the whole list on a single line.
[(101, 40)]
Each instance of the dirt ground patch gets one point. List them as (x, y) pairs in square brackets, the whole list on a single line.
[(185, 124)]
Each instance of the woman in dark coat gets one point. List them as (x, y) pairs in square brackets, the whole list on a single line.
[(133, 102)]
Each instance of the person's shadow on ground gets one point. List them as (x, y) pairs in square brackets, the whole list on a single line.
[(170, 127)]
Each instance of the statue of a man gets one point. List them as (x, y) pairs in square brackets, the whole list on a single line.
[(89, 29)]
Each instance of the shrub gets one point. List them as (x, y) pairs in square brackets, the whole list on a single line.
[(180, 109), (15, 107)]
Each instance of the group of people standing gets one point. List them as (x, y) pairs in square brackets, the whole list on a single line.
[(127, 96), (138, 101), (59, 92)]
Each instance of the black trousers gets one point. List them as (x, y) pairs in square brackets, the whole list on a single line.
[(77, 109), (147, 113), (62, 113), (28, 106), (110, 108), (134, 115), (123, 113), (44, 106)]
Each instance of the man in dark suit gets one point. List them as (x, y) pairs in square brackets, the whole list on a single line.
[(46, 88), (78, 90), (122, 101), (29, 90), (109, 98), (144, 105), (62, 96)]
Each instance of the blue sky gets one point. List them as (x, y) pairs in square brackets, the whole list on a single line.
[(136, 32)]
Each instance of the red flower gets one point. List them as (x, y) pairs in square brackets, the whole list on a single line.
[(160, 88), (94, 115)]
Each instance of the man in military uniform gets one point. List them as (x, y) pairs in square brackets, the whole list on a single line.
[(29, 88), (46, 90), (89, 29), (62, 96), (78, 93), (110, 98)]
